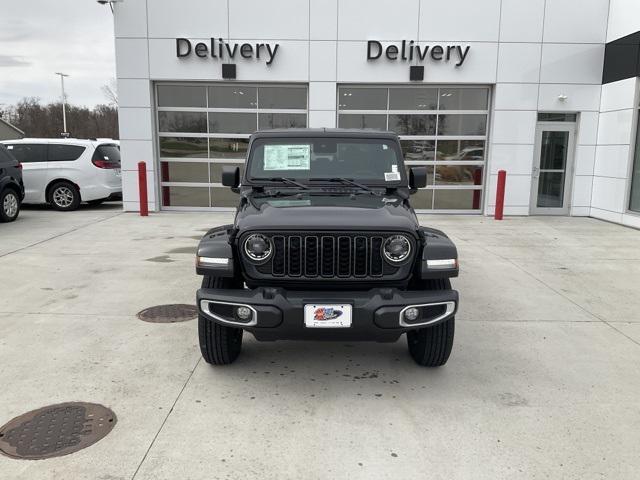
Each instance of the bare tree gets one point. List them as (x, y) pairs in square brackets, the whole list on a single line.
[(110, 92)]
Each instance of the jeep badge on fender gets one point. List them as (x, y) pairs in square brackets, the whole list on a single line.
[(325, 246)]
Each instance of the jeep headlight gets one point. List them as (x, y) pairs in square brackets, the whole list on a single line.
[(258, 248), (396, 249)]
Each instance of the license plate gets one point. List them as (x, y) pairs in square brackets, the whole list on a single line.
[(117, 171), (327, 316)]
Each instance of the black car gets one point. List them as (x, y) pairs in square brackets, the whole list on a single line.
[(11, 186), (325, 246)]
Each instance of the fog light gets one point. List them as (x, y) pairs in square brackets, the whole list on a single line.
[(243, 313), (411, 314)]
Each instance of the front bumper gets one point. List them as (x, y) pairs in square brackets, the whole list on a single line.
[(278, 314)]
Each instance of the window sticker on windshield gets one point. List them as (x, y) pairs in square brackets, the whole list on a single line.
[(391, 176), (394, 168), (9, 147), (287, 157)]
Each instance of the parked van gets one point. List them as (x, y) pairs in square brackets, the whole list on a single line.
[(67, 171)]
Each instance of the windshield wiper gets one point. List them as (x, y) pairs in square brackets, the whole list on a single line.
[(286, 180), (346, 181)]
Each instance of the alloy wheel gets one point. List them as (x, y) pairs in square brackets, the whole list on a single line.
[(62, 197), (10, 205)]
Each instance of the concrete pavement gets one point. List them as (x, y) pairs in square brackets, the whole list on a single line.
[(543, 381)]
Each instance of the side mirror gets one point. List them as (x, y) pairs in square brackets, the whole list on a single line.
[(231, 176), (417, 177)]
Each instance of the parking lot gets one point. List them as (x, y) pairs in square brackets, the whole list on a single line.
[(543, 381)]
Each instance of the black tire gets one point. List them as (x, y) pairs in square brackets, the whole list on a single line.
[(219, 344), (64, 196), (95, 203), (9, 205), (431, 346)]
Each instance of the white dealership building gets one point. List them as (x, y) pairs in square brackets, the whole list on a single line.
[(544, 89)]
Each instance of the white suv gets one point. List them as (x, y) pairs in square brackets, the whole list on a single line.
[(64, 172)]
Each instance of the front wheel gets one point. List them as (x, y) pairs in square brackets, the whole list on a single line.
[(9, 205), (219, 344), (431, 346)]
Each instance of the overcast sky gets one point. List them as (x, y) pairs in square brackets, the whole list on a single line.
[(40, 37)]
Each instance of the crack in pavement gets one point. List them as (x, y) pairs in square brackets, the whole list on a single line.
[(75, 229), (166, 418)]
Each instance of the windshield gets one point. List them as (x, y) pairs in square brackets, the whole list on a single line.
[(367, 160)]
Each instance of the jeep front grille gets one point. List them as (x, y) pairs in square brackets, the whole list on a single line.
[(327, 255)]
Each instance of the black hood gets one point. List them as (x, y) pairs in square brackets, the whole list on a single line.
[(320, 211)]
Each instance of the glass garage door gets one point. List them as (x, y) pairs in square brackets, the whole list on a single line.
[(441, 128), (203, 127)]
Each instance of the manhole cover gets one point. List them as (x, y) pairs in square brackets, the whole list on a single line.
[(169, 313), (56, 430)]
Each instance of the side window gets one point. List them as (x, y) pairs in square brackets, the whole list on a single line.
[(64, 153), (5, 156), (28, 152)]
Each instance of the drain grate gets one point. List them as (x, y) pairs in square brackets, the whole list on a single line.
[(56, 430), (169, 313)]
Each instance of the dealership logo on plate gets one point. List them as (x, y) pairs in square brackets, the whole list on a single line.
[(326, 313)]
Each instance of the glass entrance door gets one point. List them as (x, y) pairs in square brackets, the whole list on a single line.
[(553, 164)]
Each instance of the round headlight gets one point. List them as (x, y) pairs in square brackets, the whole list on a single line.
[(396, 248), (258, 247)]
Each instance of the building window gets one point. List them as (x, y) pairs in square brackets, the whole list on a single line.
[(443, 129), (202, 128), (634, 200)]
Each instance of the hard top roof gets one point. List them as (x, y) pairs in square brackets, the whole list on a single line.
[(325, 132)]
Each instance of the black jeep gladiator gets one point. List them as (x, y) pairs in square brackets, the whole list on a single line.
[(325, 246)]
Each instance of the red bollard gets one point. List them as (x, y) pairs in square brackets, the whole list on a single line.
[(142, 188), (502, 180)]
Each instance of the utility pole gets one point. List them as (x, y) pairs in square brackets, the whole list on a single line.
[(64, 101)]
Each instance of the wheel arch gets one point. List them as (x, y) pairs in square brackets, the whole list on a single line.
[(47, 190)]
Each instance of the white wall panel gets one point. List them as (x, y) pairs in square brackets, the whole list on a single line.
[(579, 97), (572, 63), (289, 64), (581, 194), (519, 62), (569, 21), (515, 159), (615, 127), (459, 20), (479, 66), (608, 194), (359, 20), (188, 19), (585, 157), (134, 151), (516, 96), (517, 190), (323, 19), (624, 18), (588, 128), (612, 161), (134, 92), (273, 19), (521, 21), (130, 19), (135, 123), (322, 61), (322, 96), (132, 58), (130, 192), (618, 95), (322, 119), (514, 127)]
